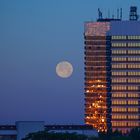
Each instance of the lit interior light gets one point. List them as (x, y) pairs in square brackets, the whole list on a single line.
[(87, 91)]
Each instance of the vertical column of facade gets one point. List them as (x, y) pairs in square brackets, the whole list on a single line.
[(96, 73), (125, 82)]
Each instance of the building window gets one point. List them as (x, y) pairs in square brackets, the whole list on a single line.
[(133, 73), (117, 109), (119, 116), (120, 123), (134, 124), (118, 74), (133, 58), (119, 102), (119, 66), (118, 44), (134, 37), (118, 37), (119, 95), (133, 51), (119, 51), (133, 109), (118, 87), (119, 59), (133, 102), (133, 116)]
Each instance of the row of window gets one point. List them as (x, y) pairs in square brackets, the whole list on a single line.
[(133, 102), (121, 95), (119, 102), (119, 66), (126, 59), (118, 44), (133, 73), (124, 80), (135, 37), (133, 109), (124, 109), (135, 66), (118, 80), (133, 58), (119, 58), (125, 51), (124, 95), (119, 116), (133, 80), (133, 51), (133, 44), (118, 37), (124, 87), (119, 87), (119, 51), (126, 44), (124, 102), (118, 73), (122, 123)]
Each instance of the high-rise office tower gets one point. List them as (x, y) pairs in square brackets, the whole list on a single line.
[(112, 73)]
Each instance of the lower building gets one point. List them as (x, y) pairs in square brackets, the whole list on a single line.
[(23, 128)]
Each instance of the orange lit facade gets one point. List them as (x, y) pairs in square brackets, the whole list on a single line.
[(112, 75), (97, 67)]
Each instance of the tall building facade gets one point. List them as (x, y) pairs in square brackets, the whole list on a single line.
[(112, 74)]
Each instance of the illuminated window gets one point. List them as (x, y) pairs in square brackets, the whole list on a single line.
[(117, 109), (118, 80), (119, 66), (134, 37), (119, 116), (133, 95), (133, 80), (119, 59), (133, 65), (134, 73), (133, 116), (133, 123), (120, 123), (118, 73), (133, 102), (114, 87), (133, 87), (133, 44), (118, 37), (119, 102), (118, 44), (118, 95), (119, 51), (133, 51), (133, 58), (133, 110)]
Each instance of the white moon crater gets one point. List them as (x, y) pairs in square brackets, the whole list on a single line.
[(64, 69)]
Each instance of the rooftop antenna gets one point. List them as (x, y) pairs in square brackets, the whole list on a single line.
[(121, 13), (117, 13), (113, 16), (133, 13), (100, 14), (108, 13)]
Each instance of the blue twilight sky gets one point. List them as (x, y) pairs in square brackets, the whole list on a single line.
[(34, 36)]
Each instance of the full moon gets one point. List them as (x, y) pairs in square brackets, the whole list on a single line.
[(64, 69)]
